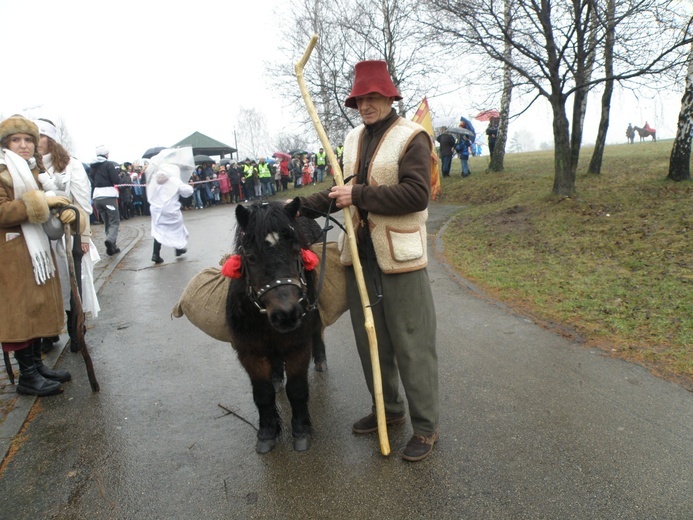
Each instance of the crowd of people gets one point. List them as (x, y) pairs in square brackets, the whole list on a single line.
[(228, 182), (231, 182)]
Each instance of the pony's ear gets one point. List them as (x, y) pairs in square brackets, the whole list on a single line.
[(242, 216), (292, 207)]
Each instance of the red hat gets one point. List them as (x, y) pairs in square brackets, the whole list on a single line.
[(371, 76)]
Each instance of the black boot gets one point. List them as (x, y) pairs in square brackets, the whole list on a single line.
[(55, 375), (30, 381), (156, 253)]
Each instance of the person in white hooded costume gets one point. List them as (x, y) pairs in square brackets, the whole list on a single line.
[(167, 175), (65, 174)]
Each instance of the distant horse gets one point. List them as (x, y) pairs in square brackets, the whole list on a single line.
[(272, 322), (630, 134), (646, 132)]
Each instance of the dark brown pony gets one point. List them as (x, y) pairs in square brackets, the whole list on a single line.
[(646, 132), (274, 325)]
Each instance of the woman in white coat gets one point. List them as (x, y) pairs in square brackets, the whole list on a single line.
[(164, 189), (67, 175)]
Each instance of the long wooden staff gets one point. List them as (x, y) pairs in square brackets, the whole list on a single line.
[(78, 312), (358, 271)]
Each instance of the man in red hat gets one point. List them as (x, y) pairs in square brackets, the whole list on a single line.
[(389, 158)]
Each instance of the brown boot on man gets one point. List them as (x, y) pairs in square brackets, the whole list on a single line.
[(419, 447)]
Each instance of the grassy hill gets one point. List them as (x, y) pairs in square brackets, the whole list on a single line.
[(614, 263)]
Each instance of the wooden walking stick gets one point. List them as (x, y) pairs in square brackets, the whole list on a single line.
[(358, 271), (78, 312)]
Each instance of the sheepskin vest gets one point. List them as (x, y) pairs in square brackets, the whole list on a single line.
[(399, 240)]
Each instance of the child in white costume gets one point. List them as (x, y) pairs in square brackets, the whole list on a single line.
[(168, 173)]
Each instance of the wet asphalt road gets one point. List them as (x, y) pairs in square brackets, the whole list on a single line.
[(533, 424)]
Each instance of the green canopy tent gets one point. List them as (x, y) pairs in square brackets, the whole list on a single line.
[(204, 145)]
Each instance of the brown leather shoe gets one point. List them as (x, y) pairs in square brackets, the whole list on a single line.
[(369, 423), (419, 447)]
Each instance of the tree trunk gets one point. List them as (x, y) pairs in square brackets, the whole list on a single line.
[(564, 179), (498, 156), (598, 155), (680, 161), (586, 36)]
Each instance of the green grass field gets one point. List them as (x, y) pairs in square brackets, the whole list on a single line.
[(614, 262)]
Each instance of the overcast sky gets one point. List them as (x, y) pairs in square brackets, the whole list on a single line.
[(137, 74)]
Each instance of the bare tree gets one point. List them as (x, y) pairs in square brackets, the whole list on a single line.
[(349, 32), (289, 142), (253, 139), (327, 73), (498, 156), (555, 45), (680, 160)]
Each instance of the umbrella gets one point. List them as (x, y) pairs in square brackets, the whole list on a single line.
[(200, 159), (461, 131), (468, 125), (485, 115), (281, 155), (226, 160), (299, 152), (152, 152), (180, 157)]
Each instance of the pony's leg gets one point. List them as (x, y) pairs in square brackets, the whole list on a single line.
[(277, 373), (270, 426), (297, 393), (259, 371), (319, 354)]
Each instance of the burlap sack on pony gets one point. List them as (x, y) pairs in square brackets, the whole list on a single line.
[(203, 300)]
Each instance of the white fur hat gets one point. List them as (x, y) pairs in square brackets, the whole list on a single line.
[(102, 150), (48, 129)]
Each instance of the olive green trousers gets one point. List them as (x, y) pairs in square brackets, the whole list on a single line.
[(405, 325)]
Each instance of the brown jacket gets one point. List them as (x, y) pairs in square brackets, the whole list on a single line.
[(27, 310)]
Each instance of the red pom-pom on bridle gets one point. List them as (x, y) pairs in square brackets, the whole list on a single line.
[(233, 267), (310, 259)]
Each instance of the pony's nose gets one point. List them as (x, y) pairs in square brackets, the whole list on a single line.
[(286, 320)]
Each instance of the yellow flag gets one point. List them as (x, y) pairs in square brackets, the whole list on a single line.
[(423, 117)]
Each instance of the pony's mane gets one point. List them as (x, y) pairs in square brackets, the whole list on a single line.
[(265, 219)]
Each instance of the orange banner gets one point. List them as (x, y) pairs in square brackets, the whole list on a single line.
[(423, 117)]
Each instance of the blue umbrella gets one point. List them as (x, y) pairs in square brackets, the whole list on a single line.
[(469, 126)]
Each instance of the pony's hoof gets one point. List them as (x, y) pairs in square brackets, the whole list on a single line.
[(321, 366), (302, 443), (265, 445)]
